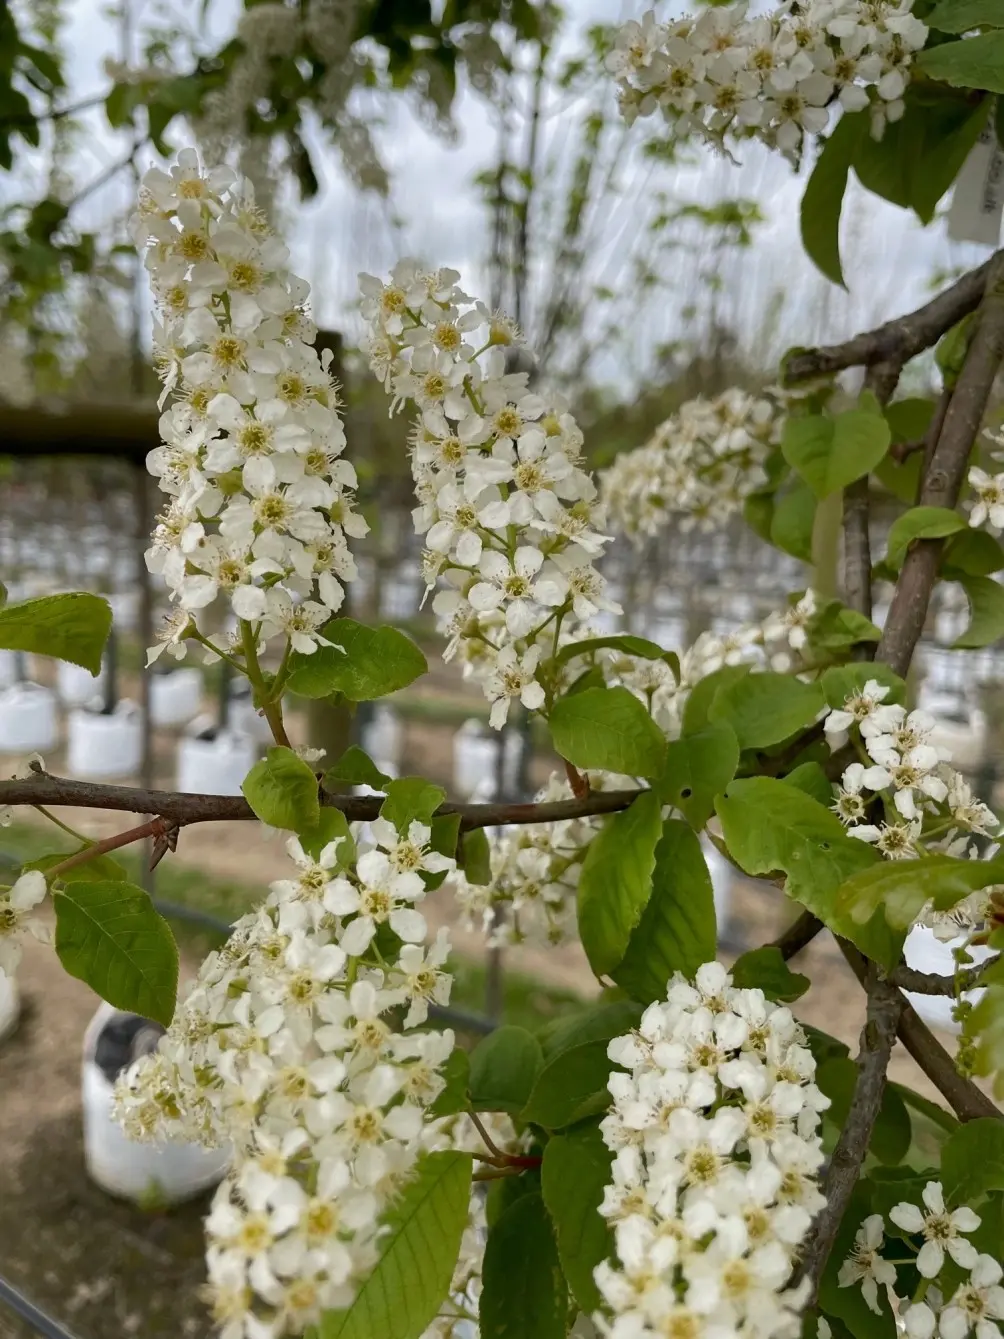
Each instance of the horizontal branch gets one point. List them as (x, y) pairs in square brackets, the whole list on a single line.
[(898, 340), (183, 807), (932, 983)]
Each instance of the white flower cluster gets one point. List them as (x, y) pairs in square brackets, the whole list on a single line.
[(988, 509), (16, 919), (535, 873), (716, 1157), (508, 514), (700, 464), (974, 1305), (259, 496), (286, 1047), (904, 780), (773, 77)]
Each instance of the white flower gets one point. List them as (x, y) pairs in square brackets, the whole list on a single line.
[(861, 707), (512, 586), (15, 905), (866, 1266), (513, 676), (919, 1321), (941, 1230), (977, 1304), (988, 509)]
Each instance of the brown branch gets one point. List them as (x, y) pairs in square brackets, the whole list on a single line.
[(183, 808), (931, 983), (966, 1100), (154, 827), (799, 934), (898, 340), (943, 480), (881, 379), (885, 1006)]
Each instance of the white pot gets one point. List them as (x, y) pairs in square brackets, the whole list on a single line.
[(10, 1005), (244, 719), (176, 697), (383, 736), (926, 953), (103, 746), (166, 1172), (78, 687), (475, 760), (28, 719), (216, 766), (721, 884)]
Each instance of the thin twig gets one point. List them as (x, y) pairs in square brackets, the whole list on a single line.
[(490, 1144), (185, 808), (898, 340), (885, 1005), (943, 480), (931, 983), (799, 934), (153, 828)]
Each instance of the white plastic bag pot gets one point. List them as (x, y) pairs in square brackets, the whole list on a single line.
[(926, 953), (721, 884), (78, 687), (163, 1173), (475, 760), (383, 737), (28, 721), (244, 719), (218, 765), (10, 1005), (176, 697), (100, 746)]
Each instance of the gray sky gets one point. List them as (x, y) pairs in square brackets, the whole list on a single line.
[(889, 258)]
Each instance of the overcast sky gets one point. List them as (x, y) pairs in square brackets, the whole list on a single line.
[(889, 259)]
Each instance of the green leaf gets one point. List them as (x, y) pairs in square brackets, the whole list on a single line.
[(972, 553), (503, 1069), (639, 647), (476, 857), (68, 627), (811, 779), (834, 629), (793, 520), (770, 827), (909, 419), (824, 196), (920, 523), (574, 1174), (608, 729), (764, 709), (373, 663), (830, 453), (893, 1132), (962, 16), (765, 969), (357, 768), (616, 881), (703, 693), (974, 62), (677, 930), (901, 888), (411, 798), (972, 1160), (109, 935), (331, 825), (986, 613), (455, 1096), (844, 681), (598, 1022), (524, 1294), (570, 1087), (282, 790), (901, 478), (418, 1251), (101, 868), (698, 767)]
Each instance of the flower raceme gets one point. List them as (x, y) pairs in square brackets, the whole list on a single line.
[(773, 76), (286, 1047), (509, 517), (259, 497), (716, 1157)]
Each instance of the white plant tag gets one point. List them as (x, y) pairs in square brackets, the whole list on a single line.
[(978, 204)]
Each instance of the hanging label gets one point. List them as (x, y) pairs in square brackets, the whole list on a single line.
[(975, 215)]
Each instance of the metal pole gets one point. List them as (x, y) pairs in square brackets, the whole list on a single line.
[(30, 1313)]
